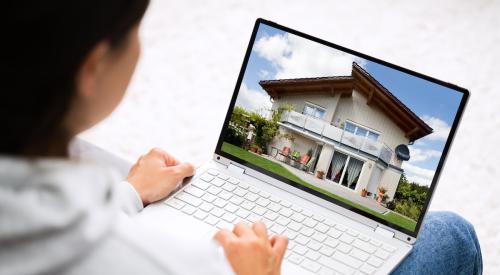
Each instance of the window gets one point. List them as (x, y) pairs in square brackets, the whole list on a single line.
[(344, 170), (360, 131), (314, 111)]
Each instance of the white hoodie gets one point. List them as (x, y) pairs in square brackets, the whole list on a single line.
[(68, 217)]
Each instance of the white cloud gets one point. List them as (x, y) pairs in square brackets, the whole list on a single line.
[(253, 100), (441, 128), (417, 154), (295, 57), (263, 73), (417, 174)]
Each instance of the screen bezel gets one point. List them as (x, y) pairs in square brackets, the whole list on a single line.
[(442, 160)]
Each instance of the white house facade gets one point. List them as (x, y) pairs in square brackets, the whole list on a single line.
[(357, 129)]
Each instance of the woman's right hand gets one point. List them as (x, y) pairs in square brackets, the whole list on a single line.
[(250, 251)]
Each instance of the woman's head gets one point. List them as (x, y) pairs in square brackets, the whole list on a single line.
[(65, 66)]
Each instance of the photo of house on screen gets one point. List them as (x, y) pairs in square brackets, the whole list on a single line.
[(354, 131)]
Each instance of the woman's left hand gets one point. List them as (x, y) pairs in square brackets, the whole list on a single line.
[(157, 174)]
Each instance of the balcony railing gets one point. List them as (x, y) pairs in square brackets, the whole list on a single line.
[(327, 130)]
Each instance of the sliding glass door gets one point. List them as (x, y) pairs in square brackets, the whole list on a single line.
[(344, 170)]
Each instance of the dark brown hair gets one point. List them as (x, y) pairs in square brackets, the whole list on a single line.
[(43, 46)]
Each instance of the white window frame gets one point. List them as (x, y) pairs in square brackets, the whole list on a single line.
[(314, 106), (349, 156)]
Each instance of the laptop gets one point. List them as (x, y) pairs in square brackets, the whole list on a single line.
[(335, 149)]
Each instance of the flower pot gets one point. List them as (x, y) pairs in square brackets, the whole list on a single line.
[(320, 174), (363, 193)]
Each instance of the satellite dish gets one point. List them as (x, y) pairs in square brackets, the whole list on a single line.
[(402, 152)]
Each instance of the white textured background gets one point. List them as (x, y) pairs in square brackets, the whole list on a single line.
[(192, 53)]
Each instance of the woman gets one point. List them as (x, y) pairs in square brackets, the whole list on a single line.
[(65, 66)]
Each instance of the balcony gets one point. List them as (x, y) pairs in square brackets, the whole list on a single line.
[(325, 130)]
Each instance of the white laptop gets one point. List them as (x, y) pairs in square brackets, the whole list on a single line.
[(335, 149)]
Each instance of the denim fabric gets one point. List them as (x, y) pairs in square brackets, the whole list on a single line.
[(447, 245)]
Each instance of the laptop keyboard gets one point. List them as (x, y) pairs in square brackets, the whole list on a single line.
[(319, 245)]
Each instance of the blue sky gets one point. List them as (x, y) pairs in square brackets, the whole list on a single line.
[(277, 54)]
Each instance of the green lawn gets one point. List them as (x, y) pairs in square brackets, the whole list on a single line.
[(280, 170)]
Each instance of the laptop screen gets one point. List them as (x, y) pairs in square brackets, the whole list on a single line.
[(356, 131)]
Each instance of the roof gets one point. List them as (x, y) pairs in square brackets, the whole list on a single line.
[(413, 126)]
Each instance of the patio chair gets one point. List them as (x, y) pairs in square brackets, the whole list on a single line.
[(285, 152), (307, 167)]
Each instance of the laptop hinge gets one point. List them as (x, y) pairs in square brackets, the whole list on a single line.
[(384, 232), (236, 169)]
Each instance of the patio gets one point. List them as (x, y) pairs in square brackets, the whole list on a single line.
[(332, 187)]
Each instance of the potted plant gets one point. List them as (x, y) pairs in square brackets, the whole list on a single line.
[(310, 152), (381, 193), (320, 174), (254, 148), (364, 192)]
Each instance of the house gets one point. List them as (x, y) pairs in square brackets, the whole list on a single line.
[(357, 129)]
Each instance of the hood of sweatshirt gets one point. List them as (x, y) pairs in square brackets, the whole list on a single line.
[(52, 211)]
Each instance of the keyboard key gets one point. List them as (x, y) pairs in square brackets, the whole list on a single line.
[(346, 238), (185, 197), (335, 265), (286, 212), (231, 208), (228, 187), (224, 225), (318, 218), (313, 255), (367, 269), (388, 248), (265, 195), (310, 265), (321, 227), (295, 226), (346, 259), (206, 177), (374, 261), (206, 207), (225, 195), (310, 222), (331, 242), (286, 204), (375, 242), (274, 207), (175, 203), (251, 197), (298, 217), (295, 258), (254, 190), (274, 199), (314, 245), (306, 213), (236, 200), (360, 255), (326, 271), (229, 217), (353, 233), (326, 250), (211, 220), (341, 227), (213, 172), (243, 185), (368, 248), (217, 212), (363, 237), (329, 223), (271, 215), (201, 184), (263, 202), (300, 249), (283, 220), (223, 176), (334, 233), (278, 229), (254, 218), (290, 234), (220, 202), (296, 209), (259, 210), (188, 209), (242, 213), (306, 231), (233, 180), (247, 205), (208, 197), (214, 190), (218, 182), (240, 192), (345, 248), (301, 239), (200, 214), (320, 237), (382, 254)]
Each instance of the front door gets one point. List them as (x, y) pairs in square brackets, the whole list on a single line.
[(374, 180)]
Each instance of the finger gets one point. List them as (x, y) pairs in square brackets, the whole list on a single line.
[(279, 244), (260, 229), (224, 237), (168, 159), (243, 230), (181, 171)]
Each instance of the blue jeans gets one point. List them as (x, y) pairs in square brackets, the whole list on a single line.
[(447, 245)]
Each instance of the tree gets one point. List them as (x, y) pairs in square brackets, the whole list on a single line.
[(409, 198)]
